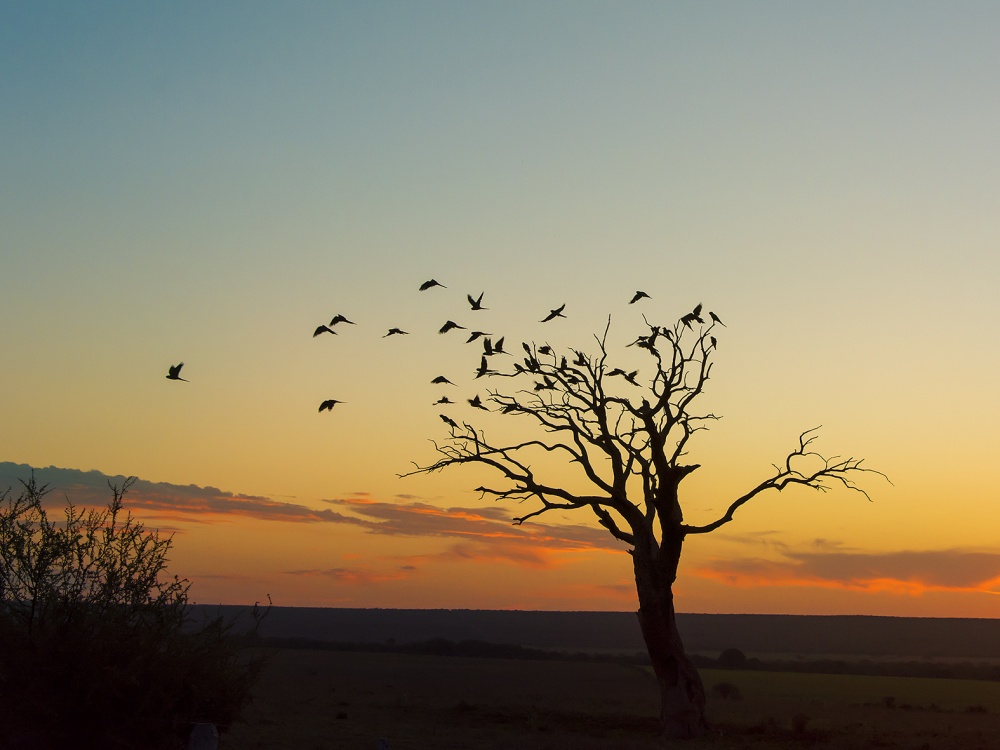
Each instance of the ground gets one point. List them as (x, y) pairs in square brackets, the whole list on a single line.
[(310, 700)]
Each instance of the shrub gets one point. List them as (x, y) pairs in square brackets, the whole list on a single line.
[(727, 691), (95, 649), (732, 658)]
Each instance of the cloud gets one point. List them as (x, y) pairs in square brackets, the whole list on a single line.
[(484, 533), (487, 523), (173, 501), (911, 572)]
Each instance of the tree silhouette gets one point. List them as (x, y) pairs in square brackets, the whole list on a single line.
[(626, 434)]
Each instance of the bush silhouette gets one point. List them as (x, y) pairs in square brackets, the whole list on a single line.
[(95, 646), (732, 658)]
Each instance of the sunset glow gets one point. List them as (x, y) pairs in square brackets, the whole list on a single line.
[(211, 183)]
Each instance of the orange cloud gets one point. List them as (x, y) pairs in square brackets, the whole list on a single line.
[(902, 572)]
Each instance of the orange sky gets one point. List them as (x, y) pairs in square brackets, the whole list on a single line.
[(209, 183)]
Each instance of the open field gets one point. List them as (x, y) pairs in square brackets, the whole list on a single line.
[(332, 699)]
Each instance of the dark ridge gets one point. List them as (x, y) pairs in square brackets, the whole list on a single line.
[(848, 635)]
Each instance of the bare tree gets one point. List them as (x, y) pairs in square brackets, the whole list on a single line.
[(627, 437)]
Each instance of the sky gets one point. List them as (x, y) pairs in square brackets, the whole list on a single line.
[(209, 182)]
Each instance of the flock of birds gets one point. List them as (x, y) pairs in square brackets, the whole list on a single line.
[(491, 347)]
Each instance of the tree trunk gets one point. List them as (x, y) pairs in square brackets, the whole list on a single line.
[(682, 695)]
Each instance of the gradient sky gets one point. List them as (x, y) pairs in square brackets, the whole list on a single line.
[(208, 182)]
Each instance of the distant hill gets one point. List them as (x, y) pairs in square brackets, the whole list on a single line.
[(619, 631)]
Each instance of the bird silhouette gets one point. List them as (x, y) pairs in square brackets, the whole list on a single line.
[(715, 319), (449, 421), (442, 380), (546, 349), (557, 313), (483, 368), (431, 282), (498, 346), (396, 331), (638, 296), (475, 335), (338, 318), (477, 304), (323, 329), (477, 402), (449, 325), (329, 404), (444, 400), (175, 373)]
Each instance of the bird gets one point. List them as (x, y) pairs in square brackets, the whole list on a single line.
[(329, 404), (338, 318), (477, 304), (475, 335), (545, 349), (488, 347), (477, 402), (715, 318), (557, 313), (714, 341), (638, 296), (395, 331), (175, 373), (449, 325), (483, 368), (498, 346), (441, 380), (449, 421), (444, 400), (429, 283), (323, 329)]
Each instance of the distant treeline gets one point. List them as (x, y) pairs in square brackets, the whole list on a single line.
[(850, 638), (489, 650)]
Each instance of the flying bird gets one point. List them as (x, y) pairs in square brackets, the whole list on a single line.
[(638, 296), (477, 304), (475, 335), (323, 329), (442, 380), (175, 373), (432, 282), (498, 346), (329, 404), (557, 313), (444, 400), (395, 331), (450, 325), (477, 402), (483, 368), (338, 318)]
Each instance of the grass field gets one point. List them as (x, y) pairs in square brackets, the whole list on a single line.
[(310, 700)]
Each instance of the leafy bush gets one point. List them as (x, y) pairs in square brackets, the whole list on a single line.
[(95, 647)]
